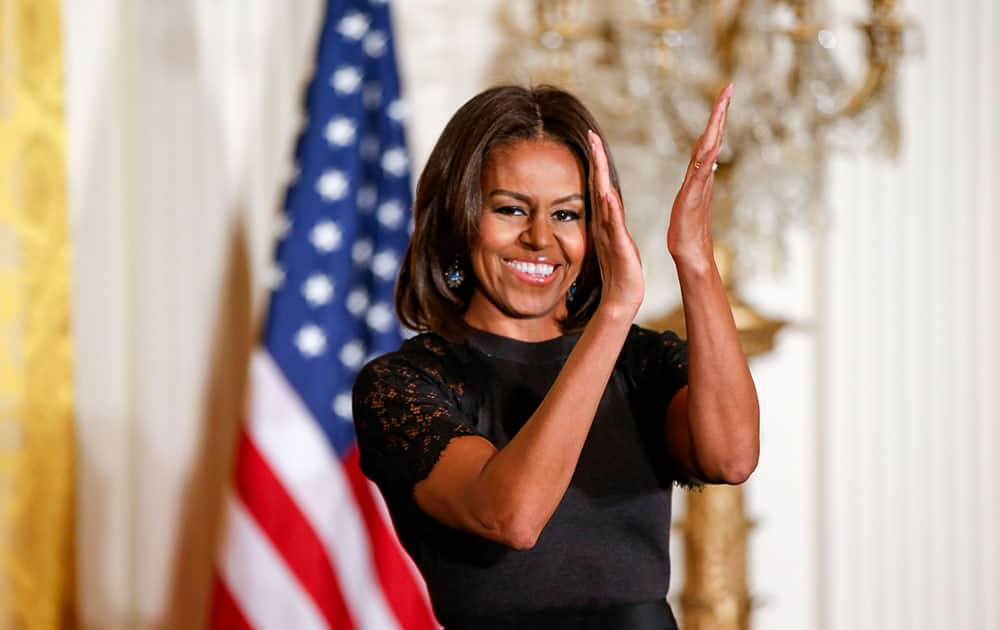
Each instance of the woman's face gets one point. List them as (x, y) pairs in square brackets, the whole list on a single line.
[(532, 239)]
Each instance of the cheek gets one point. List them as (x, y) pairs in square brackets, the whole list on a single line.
[(575, 242)]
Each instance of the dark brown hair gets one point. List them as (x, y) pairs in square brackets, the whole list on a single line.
[(449, 202)]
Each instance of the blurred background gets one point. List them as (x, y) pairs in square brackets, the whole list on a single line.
[(145, 149)]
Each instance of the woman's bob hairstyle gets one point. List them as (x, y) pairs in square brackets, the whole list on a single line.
[(449, 202)]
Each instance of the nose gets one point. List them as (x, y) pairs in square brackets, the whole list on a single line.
[(538, 233)]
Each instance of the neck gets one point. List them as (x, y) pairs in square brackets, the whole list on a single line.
[(488, 318)]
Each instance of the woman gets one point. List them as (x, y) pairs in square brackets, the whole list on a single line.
[(527, 442)]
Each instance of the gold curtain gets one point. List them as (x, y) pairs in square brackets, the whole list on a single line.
[(36, 389)]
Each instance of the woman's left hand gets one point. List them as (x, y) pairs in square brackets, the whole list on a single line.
[(689, 237)]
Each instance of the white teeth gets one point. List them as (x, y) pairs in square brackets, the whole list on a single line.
[(535, 269)]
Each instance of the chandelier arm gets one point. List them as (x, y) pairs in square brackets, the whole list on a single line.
[(727, 35), (871, 85)]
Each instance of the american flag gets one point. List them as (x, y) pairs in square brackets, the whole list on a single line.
[(307, 541)]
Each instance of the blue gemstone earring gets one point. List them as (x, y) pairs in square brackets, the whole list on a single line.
[(453, 275), (571, 293)]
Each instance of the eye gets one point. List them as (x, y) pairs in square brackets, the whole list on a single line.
[(566, 215), (510, 210)]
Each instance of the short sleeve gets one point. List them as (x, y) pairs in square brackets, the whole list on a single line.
[(404, 417), (656, 368)]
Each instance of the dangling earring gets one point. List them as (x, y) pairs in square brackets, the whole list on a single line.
[(453, 275), (571, 293)]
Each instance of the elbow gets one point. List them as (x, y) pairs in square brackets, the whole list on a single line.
[(732, 467), (738, 470), (741, 457), (522, 539), (516, 532), (738, 467)]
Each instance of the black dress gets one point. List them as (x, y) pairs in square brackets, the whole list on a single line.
[(606, 544)]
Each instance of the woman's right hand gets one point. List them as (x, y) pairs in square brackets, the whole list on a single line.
[(617, 254)]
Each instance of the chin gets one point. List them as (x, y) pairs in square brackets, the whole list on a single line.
[(535, 310)]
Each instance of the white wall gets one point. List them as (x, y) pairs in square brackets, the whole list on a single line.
[(908, 350), (875, 499)]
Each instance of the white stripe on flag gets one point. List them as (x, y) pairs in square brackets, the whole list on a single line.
[(267, 593), (298, 452)]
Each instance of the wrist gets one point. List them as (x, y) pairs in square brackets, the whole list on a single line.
[(694, 263), (611, 314)]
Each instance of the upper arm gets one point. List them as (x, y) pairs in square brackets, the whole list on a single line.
[(448, 493), (660, 371), (677, 436), (404, 420), (414, 442)]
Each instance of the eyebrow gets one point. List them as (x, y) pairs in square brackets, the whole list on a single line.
[(527, 199)]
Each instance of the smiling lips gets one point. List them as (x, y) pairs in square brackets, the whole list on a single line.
[(537, 273)]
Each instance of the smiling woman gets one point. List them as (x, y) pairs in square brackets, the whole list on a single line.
[(467, 182), (532, 240), (527, 442)]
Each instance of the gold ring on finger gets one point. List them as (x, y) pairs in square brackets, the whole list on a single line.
[(697, 164)]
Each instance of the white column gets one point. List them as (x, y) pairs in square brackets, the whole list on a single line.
[(182, 117), (908, 350)]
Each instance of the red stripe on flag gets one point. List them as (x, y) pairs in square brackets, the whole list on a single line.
[(226, 613), (405, 596), (288, 529)]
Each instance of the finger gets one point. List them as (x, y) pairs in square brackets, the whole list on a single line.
[(616, 214), (713, 130), (700, 166), (601, 170)]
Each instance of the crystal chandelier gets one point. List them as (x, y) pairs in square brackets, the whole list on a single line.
[(650, 70)]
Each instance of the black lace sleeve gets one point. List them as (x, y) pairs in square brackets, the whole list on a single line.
[(657, 368), (404, 416)]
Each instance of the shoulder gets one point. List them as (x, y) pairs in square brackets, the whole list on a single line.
[(643, 345), (425, 360)]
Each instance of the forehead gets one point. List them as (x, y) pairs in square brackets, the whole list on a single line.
[(533, 165)]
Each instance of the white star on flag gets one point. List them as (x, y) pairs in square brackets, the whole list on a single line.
[(353, 25), (395, 162), (375, 44), (371, 96), (362, 250), (333, 185), (326, 236), (384, 265), (390, 214), (379, 317), (340, 131), (346, 79), (367, 196), (397, 110), (357, 301), (310, 340), (369, 148), (352, 354), (342, 406), (318, 289)]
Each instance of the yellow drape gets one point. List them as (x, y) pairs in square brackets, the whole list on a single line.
[(36, 389)]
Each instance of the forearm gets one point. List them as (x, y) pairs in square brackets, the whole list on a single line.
[(522, 484), (722, 410)]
